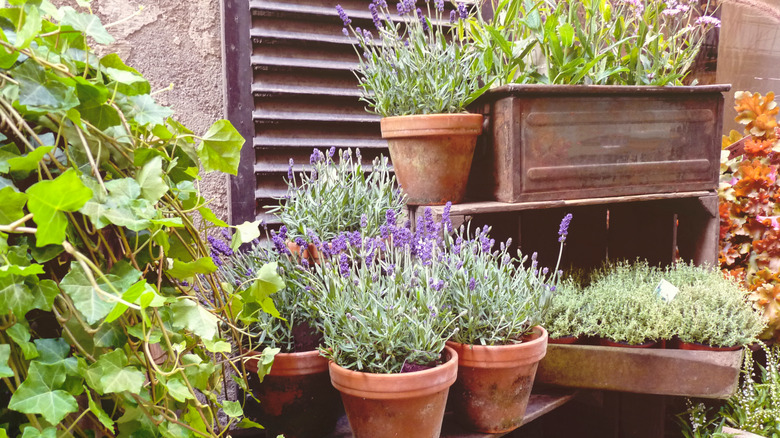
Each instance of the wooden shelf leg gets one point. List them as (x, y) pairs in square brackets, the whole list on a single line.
[(698, 230)]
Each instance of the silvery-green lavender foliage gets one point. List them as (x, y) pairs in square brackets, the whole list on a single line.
[(500, 297), (415, 64), (335, 197)]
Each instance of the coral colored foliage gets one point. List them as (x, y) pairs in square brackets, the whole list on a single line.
[(749, 211)]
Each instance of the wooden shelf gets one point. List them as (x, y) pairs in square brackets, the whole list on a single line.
[(709, 374), (540, 403)]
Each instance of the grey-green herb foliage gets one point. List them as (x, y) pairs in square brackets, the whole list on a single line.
[(415, 64), (569, 313), (289, 319), (602, 42), (103, 332), (500, 297), (755, 408), (334, 197), (381, 315)]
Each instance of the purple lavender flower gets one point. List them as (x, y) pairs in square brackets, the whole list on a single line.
[(390, 270), (305, 263), (445, 217), (290, 170), (390, 218), (219, 246), (301, 243), (344, 266), (381, 3), (249, 272), (375, 16), (363, 221), (345, 31), (563, 230), (331, 151), (215, 257), (425, 251), (343, 15), (226, 234), (453, 17), (384, 231), (472, 283), (439, 5), (401, 8), (402, 237), (435, 285), (462, 11), (459, 265), (185, 283), (279, 243), (708, 20), (355, 239), (316, 157), (367, 35), (421, 17)]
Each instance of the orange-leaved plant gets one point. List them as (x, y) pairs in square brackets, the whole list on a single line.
[(749, 212)]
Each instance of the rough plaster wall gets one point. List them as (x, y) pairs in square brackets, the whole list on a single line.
[(179, 42)]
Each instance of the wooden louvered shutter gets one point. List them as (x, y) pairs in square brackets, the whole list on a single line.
[(303, 94)]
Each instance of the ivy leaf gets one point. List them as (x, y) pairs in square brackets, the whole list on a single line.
[(5, 354), (5, 182), (153, 187), (195, 318), (51, 351), (110, 335), (27, 163), (96, 409), (44, 293), (22, 271), (21, 335), (48, 200), (38, 394), (30, 28), (204, 265), (88, 23), (127, 82), (31, 432), (91, 95), (15, 296), (178, 389), (246, 232), (232, 408), (41, 93), (268, 281), (220, 148), (102, 116), (195, 421), (121, 207), (145, 111), (11, 205), (211, 217), (116, 376), (92, 304), (217, 346)]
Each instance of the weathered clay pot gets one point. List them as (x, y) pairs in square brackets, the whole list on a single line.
[(494, 382), (310, 253), (610, 343), (296, 398), (432, 154), (564, 340), (702, 347), (396, 405)]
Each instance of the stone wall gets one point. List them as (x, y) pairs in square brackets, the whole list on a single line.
[(179, 42)]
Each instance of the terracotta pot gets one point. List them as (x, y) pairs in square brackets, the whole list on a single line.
[(311, 253), (494, 382), (703, 347), (432, 154), (296, 398), (396, 405), (610, 343), (564, 340)]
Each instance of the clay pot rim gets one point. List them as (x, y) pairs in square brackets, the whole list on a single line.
[(606, 342), (691, 346), (503, 356), (292, 364), (398, 385), (425, 125)]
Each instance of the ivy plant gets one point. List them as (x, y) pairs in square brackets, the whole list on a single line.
[(103, 331)]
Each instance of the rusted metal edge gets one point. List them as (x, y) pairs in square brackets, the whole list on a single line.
[(526, 90)]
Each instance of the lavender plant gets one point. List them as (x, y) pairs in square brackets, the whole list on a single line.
[(415, 65), (605, 42), (500, 297), (334, 197)]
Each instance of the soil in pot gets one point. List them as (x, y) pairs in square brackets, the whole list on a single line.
[(494, 382), (432, 154), (407, 404), (296, 398)]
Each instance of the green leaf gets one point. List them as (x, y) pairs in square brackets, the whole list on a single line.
[(195, 421), (232, 408), (246, 232), (145, 111), (48, 200), (268, 281), (178, 389), (92, 304), (220, 148), (96, 409), (30, 28), (116, 376), (246, 423), (41, 93), (5, 182), (265, 361), (110, 335), (21, 335), (211, 217), (127, 82), (150, 179), (31, 432), (102, 116), (52, 351), (15, 296), (121, 207), (195, 318), (204, 265), (27, 163), (5, 354), (11, 205), (566, 32), (91, 95), (22, 271), (172, 222), (217, 346), (45, 292), (38, 394), (131, 295), (87, 23)]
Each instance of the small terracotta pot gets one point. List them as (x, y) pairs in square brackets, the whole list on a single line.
[(564, 340), (494, 382), (396, 405), (431, 154), (311, 253), (296, 398), (702, 347), (610, 343)]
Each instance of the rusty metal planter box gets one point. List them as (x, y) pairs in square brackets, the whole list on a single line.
[(710, 374), (547, 142)]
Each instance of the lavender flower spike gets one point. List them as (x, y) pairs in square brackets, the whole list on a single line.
[(462, 11), (343, 15), (439, 5), (563, 230), (421, 17), (375, 16), (453, 16)]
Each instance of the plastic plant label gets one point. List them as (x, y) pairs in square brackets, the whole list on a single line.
[(666, 291)]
